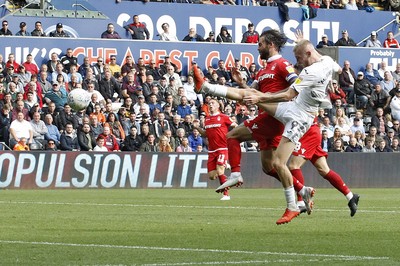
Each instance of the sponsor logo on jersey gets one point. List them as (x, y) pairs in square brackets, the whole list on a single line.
[(266, 76), (213, 125)]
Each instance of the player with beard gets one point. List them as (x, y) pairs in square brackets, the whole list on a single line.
[(216, 127), (265, 129)]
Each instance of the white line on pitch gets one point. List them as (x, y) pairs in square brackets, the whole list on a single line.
[(182, 206), (343, 257)]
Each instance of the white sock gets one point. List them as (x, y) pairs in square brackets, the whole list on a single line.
[(235, 174), (290, 196), (349, 196), (217, 90), (301, 203)]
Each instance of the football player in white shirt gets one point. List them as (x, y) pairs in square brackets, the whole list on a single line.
[(297, 115)]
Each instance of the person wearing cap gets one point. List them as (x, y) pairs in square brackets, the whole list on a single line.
[(193, 36), (59, 32), (22, 31), (373, 41), (251, 35), (166, 35), (4, 29), (335, 92), (362, 90), (325, 42), (224, 35), (137, 29), (211, 37), (345, 40), (390, 41)]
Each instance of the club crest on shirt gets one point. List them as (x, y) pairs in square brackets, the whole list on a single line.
[(218, 118)]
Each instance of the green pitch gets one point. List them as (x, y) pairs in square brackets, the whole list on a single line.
[(193, 227)]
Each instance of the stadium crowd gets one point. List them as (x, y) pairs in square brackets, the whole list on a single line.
[(149, 106)]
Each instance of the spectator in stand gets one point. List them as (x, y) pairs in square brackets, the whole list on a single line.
[(59, 32), (382, 147), (380, 122), (20, 128), (30, 66), (138, 30), (325, 42), (362, 90), (335, 92), (351, 5), (167, 63), (211, 37), (114, 67), (171, 74), (153, 104), (100, 141), (73, 72), (184, 146), (241, 116), (344, 129), (353, 146), (38, 31), (369, 145), (390, 41), (166, 35), (379, 98), (345, 40), (389, 138), (184, 108), (337, 146), (153, 70), (382, 69), (110, 142), (84, 67), (195, 139), (163, 145), (110, 33), (131, 87), (5, 121), (68, 60), (326, 143), (373, 41), (11, 62), (22, 31), (116, 127), (250, 36), (96, 127), (57, 95), (224, 36), (222, 71), (357, 126), (132, 141), (347, 79), (52, 63), (109, 88), (69, 139), (388, 84), (395, 145), (372, 74), (68, 117), (193, 36), (396, 73), (53, 134), (4, 29), (21, 145), (86, 139), (396, 127), (149, 145), (373, 134)]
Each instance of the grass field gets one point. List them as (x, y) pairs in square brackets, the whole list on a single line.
[(193, 227)]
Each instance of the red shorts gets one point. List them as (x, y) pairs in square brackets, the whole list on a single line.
[(309, 146), (266, 130), (219, 157)]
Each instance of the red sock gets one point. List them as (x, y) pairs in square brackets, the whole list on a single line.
[(273, 173), (336, 181), (298, 180), (235, 154), (222, 179)]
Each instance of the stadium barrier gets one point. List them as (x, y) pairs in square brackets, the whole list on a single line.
[(61, 170)]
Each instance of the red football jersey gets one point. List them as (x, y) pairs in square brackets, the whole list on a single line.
[(276, 76), (217, 126)]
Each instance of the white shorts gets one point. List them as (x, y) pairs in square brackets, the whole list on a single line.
[(296, 121)]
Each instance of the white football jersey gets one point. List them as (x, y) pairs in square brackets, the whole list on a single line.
[(312, 83)]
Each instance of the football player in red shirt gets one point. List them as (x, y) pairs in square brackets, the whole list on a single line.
[(216, 127)]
